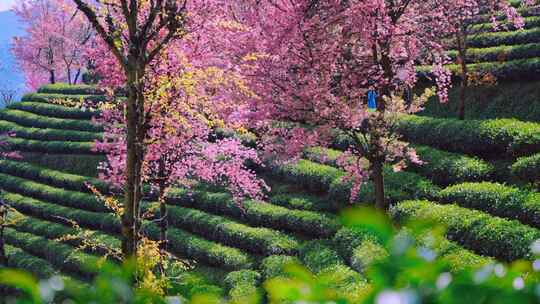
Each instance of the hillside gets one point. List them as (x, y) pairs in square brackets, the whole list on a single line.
[(513, 57), (298, 219)]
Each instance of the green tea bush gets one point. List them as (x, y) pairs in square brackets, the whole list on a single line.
[(274, 265), (51, 177), (79, 164), (18, 258), (496, 137), (243, 286), (202, 250), (504, 38), (496, 53), (326, 179), (52, 110), (485, 234), (48, 134), (47, 97), (257, 240), (529, 23), (62, 147), (258, 213), (28, 119), (527, 168), (496, 199), (52, 212), (442, 167), (72, 89), (63, 197), (62, 256)]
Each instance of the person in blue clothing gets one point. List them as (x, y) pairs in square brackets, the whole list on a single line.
[(372, 99)]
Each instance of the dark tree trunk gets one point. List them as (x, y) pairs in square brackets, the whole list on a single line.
[(77, 76), (378, 183), (52, 77), (3, 218), (164, 223), (135, 100)]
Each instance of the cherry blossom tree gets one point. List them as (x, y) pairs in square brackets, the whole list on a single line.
[(52, 48), (178, 88), (313, 62)]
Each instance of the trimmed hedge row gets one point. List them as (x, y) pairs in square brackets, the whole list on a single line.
[(443, 168), (496, 199), (504, 38), (18, 258), (52, 212), (500, 53), (79, 164), (52, 110), (492, 137), (66, 147), (63, 197), (54, 231), (316, 177), (47, 134), (513, 70), (300, 201), (51, 177), (181, 242), (221, 229), (28, 119), (527, 168), (202, 250), (62, 256), (324, 261), (258, 213), (530, 22), (504, 239), (274, 266), (47, 97), (198, 281), (64, 88), (244, 286)]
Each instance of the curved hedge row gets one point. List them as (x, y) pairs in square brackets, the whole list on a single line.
[(505, 38), (244, 286), (52, 110), (18, 258), (47, 134), (318, 177), (181, 242), (530, 22), (64, 88), (527, 168), (485, 234), (52, 212), (443, 168), (60, 255), (66, 147), (62, 197), (220, 229), (51, 177), (492, 137), (47, 97), (496, 199), (28, 119), (79, 164), (258, 213), (500, 53)]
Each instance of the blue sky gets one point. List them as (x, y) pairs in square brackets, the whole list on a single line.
[(6, 4)]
